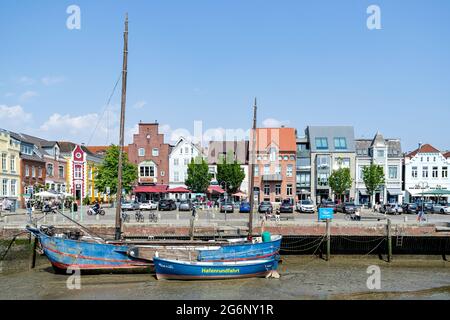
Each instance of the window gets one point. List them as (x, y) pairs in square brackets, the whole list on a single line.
[(414, 172), (5, 187), (13, 188), (277, 189), (342, 163), (267, 189), (40, 172), (425, 172), (323, 162), (61, 171), (163, 173), (304, 179), (147, 171), (292, 158), (33, 172), (278, 169), (266, 169), (77, 172), (13, 164), (444, 172), (393, 172), (340, 143), (321, 143), (256, 171), (50, 170), (141, 152), (155, 152), (303, 162), (273, 154), (175, 162), (380, 153), (27, 171), (186, 162), (289, 170), (286, 158), (181, 150), (361, 173), (4, 161), (186, 150), (435, 172), (289, 190), (192, 150), (176, 176), (322, 179)]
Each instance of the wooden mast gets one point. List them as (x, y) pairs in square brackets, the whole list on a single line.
[(118, 231), (252, 172)]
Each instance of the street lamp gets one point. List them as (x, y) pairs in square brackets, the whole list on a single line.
[(423, 185)]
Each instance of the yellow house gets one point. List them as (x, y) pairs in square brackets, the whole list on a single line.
[(10, 182)]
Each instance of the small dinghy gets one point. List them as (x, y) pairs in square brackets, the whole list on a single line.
[(198, 270)]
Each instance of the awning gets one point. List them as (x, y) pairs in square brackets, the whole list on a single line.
[(240, 195), (395, 192), (215, 189), (437, 192), (179, 190), (151, 189), (363, 192)]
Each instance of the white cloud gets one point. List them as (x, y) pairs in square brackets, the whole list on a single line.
[(51, 80), (14, 116), (27, 95), (140, 104), (274, 123), (26, 80), (67, 123)]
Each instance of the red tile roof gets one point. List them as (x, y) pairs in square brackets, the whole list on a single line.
[(284, 138), (102, 149), (447, 155), (426, 148)]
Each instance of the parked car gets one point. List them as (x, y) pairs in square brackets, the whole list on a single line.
[(244, 207), (167, 205), (265, 206), (410, 208), (306, 206), (443, 208), (391, 208), (227, 206), (130, 205), (328, 204), (149, 205), (346, 207), (287, 206), (427, 206), (185, 205)]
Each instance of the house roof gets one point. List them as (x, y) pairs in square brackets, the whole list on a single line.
[(447, 154), (284, 138), (394, 146), (426, 148), (329, 133), (101, 150)]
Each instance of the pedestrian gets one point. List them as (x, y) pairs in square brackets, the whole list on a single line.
[(29, 210), (420, 216)]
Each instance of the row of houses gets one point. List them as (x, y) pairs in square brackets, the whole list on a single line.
[(287, 164)]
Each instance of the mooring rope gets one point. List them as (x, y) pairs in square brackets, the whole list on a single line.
[(10, 244)]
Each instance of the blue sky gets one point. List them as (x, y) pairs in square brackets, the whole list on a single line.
[(308, 62)]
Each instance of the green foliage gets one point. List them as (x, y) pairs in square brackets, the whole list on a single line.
[(340, 181), (373, 177), (199, 178), (86, 201), (229, 173), (107, 172)]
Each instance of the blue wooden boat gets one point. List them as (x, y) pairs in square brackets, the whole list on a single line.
[(200, 270), (95, 254)]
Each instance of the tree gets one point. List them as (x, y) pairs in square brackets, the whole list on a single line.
[(107, 172), (198, 176), (340, 181), (229, 173), (373, 177)]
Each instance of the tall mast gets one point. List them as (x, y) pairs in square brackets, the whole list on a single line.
[(118, 233), (252, 172)]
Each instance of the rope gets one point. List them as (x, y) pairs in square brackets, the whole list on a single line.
[(11, 243), (362, 241), (89, 232), (375, 247)]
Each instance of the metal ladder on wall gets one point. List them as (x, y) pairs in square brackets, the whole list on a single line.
[(399, 236)]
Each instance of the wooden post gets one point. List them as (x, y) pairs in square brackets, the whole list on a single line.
[(328, 239), (33, 257), (191, 231), (389, 240)]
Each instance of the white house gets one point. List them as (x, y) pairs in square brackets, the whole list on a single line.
[(386, 153), (426, 169), (179, 158)]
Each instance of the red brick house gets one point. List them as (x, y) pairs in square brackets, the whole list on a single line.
[(151, 155), (275, 164)]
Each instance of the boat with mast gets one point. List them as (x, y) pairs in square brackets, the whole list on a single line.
[(89, 251)]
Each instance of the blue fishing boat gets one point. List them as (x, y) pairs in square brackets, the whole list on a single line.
[(200, 270)]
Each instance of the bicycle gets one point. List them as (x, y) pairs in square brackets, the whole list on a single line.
[(153, 217), (139, 216), (125, 217)]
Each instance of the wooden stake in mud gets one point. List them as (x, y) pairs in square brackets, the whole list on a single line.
[(328, 239), (389, 240), (33, 257)]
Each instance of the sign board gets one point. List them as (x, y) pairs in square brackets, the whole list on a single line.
[(326, 213)]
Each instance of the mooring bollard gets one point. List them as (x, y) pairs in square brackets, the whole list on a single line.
[(178, 216), (328, 239), (33, 256), (389, 240)]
